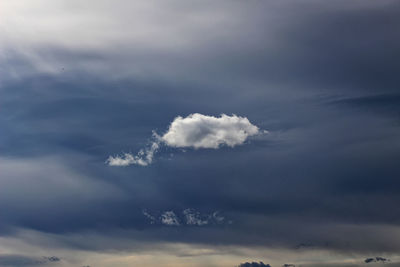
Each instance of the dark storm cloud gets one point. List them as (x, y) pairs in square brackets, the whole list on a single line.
[(376, 259), (254, 264), (309, 72)]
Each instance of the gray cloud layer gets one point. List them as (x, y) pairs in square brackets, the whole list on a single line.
[(81, 80), (13, 260)]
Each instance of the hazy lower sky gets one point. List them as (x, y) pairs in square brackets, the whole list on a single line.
[(199, 133)]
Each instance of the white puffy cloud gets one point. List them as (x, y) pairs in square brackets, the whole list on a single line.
[(202, 131), (194, 131)]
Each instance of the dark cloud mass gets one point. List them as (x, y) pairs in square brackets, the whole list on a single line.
[(376, 259), (254, 264), (23, 260), (303, 168)]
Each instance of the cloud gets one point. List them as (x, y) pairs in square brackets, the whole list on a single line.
[(201, 131), (23, 180), (169, 218), (22, 260), (376, 259), (304, 245), (194, 218), (52, 258), (149, 216), (190, 217), (194, 131), (254, 264), (143, 158), (218, 218)]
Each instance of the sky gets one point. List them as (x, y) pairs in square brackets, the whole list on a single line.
[(199, 133)]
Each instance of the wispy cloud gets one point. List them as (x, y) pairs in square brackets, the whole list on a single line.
[(169, 218), (194, 218), (194, 131), (143, 158), (149, 216), (190, 217)]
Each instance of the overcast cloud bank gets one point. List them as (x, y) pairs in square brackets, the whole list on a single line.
[(83, 80)]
